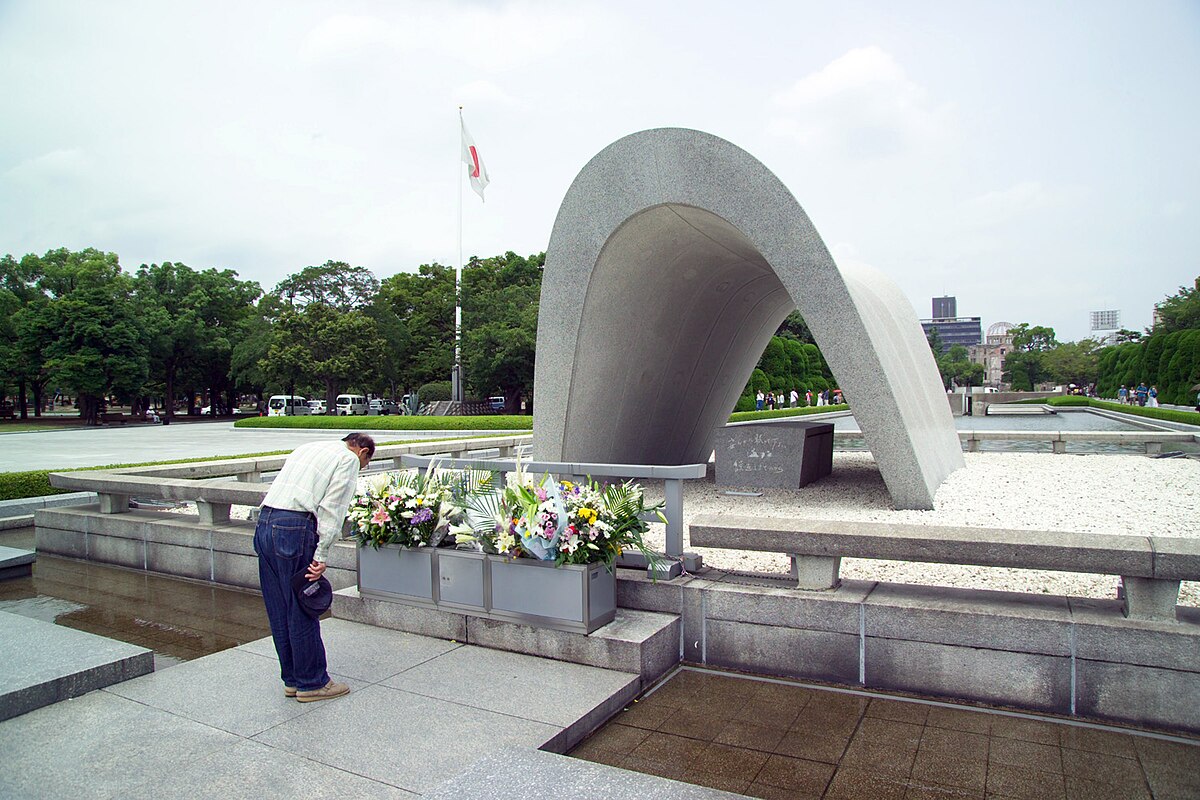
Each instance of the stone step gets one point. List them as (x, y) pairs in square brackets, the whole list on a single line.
[(641, 642), (16, 563), (42, 663)]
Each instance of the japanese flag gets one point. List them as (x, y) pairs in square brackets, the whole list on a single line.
[(476, 171)]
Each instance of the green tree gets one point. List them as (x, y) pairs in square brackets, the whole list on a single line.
[(957, 369), (96, 344), (1180, 311), (192, 319), (500, 313), (327, 346), (936, 345), (424, 303), (1023, 366), (794, 327), (1074, 362), (334, 283), (23, 331)]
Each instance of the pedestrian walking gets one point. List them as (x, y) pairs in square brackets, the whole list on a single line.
[(758, 401), (299, 520), (1152, 397)]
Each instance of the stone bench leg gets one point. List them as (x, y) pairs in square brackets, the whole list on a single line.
[(1147, 598), (113, 503), (1059, 447), (212, 513), (972, 445), (1153, 448), (816, 573), (249, 477)]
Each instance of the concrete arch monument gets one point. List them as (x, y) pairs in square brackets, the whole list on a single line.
[(674, 258)]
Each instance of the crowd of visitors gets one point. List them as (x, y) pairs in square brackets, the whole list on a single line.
[(770, 401), (1140, 396)]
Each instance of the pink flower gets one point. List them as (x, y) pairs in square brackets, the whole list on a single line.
[(380, 516)]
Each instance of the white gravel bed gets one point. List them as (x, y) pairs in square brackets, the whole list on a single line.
[(1128, 494)]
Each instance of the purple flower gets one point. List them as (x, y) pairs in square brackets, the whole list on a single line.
[(421, 517)]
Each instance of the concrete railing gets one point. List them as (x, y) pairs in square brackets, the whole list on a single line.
[(1152, 440), (1151, 567), (216, 486), (671, 476)]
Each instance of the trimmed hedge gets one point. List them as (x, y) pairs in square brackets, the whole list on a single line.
[(746, 416), (1168, 414), (36, 483), (402, 422)]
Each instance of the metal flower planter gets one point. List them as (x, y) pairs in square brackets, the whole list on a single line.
[(572, 598)]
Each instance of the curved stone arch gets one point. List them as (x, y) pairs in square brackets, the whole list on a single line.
[(674, 258)]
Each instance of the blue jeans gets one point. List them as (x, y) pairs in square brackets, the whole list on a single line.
[(285, 542)]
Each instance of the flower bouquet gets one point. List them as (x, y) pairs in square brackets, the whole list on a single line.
[(409, 508), (560, 521)]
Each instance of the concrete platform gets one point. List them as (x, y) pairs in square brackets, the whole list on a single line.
[(421, 711), (16, 563), (42, 663), (642, 642), (532, 775)]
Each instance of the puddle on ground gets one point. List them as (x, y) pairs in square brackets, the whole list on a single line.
[(179, 620)]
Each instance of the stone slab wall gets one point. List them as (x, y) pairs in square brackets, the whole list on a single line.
[(1069, 656), (170, 544)]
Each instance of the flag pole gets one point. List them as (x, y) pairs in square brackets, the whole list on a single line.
[(456, 387)]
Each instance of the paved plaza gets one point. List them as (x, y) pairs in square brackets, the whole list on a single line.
[(95, 447)]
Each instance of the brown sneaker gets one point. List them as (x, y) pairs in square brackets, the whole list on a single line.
[(327, 691)]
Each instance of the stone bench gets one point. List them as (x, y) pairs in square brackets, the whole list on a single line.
[(1150, 567)]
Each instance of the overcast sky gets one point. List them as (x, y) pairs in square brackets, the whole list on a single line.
[(1037, 160)]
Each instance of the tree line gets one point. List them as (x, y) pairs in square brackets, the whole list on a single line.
[(1166, 355), (166, 334)]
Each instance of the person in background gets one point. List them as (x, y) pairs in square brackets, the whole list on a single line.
[(1122, 395), (1152, 397), (300, 519)]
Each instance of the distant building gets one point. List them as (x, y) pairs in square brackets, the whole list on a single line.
[(991, 353), (952, 329)]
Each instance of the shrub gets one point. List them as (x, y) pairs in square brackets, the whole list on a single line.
[(747, 416), (432, 392), (35, 483)]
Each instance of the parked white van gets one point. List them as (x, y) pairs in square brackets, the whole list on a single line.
[(351, 405), (287, 405)]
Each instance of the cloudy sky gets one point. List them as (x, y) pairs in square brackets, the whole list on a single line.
[(1037, 160)]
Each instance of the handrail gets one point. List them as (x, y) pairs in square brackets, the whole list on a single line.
[(209, 483), (672, 477), (1151, 567)]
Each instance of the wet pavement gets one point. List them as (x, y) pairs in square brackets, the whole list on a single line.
[(179, 620), (777, 739), (96, 447)]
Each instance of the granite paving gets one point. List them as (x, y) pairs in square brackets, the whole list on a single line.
[(772, 738), (421, 711)]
